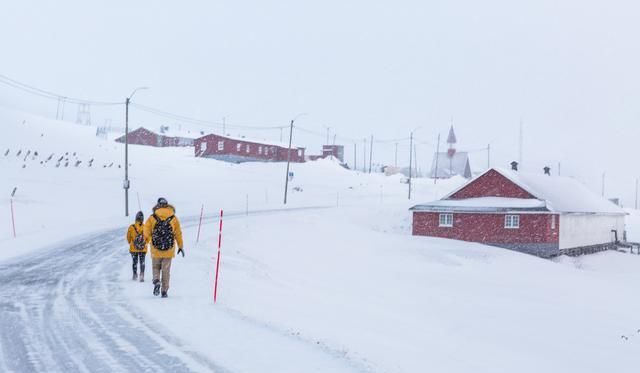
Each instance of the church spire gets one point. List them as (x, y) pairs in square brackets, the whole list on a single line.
[(451, 139)]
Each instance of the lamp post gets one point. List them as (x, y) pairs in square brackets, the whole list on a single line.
[(286, 180), (126, 185), (411, 156)]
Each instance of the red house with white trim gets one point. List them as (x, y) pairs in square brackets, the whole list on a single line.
[(537, 214), (237, 150)]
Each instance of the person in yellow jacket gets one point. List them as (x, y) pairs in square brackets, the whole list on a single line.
[(137, 245), (163, 231)]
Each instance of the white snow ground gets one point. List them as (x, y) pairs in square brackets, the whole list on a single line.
[(339, 287)]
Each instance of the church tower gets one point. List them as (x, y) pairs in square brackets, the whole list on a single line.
[(451, 140)]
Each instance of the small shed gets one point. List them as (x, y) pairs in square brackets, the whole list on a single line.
[(143, 136), (537, 214), (239, 149)]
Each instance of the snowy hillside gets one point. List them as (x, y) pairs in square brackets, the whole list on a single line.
[(334, 282)]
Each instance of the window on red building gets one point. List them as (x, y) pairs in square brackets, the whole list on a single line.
[(512, 221), (446, 220)]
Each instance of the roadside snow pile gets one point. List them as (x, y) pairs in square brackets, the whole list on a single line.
[(334, 283)]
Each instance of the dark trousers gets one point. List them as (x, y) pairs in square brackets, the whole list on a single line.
[(136, 257)]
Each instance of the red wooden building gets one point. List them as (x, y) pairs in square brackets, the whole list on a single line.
[(232, 149), (143, 136), (538, 214)]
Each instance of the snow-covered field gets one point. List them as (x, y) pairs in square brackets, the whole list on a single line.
[(333, 283)]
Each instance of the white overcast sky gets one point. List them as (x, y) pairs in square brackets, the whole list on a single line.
[(568, 69)]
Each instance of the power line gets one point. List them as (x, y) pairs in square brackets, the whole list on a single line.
[(51, 95), (203, 122)]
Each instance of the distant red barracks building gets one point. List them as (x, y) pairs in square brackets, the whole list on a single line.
[(232, 149)]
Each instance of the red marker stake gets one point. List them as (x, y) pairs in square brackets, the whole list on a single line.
[(215, 286), (13, 220), (200, 224)]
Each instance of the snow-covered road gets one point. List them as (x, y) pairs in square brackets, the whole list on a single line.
[(63, 310)]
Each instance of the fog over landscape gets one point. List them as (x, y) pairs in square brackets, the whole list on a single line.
[(567, 70)]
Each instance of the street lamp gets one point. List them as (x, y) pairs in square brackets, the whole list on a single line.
[(411, 156), (286, 180), (126, 185)]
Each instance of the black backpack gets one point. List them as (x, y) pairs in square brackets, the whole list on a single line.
[(138, 242), (162, 236)]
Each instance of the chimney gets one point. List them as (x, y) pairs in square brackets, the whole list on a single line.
[(514, 166), (547, 170)]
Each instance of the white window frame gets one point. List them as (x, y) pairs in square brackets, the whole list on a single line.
[(512, 221), (238, 147), (553, 222), (221, 145), (248, 148), (260, 150), (299, 153), (445, 220), (203, 146)]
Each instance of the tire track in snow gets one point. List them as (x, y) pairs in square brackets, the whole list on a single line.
[(62, 309)]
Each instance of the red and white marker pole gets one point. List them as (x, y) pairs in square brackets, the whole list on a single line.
[(200, 224), (215, 285), (13, 220)]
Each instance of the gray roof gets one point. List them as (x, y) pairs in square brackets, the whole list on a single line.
[(551, 193), (450, 166)]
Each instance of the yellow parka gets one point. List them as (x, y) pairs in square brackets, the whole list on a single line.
[(163, 213), (132, 232)]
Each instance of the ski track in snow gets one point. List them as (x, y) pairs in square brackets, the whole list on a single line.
[(63, 310)]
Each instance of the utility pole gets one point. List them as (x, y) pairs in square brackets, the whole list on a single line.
[(604, 174), (328, 129), (126, 158), (488, 156), (415, 159), (395, 161), (521, 141), (435, 172), (58, 109), (126, 183), (355, 157), (370, 153), (559, 165), (364, 156), (286, 181), (410, 160), (636, 193), (334, 138), (62, 110)]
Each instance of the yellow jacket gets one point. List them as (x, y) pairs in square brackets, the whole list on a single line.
[(132, 232), (163, 213)]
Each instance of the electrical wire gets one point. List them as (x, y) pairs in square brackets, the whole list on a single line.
[(51, 95), (183, 118)]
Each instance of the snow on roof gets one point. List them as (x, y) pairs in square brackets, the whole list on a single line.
[(560, 194), (450, 166), (484, 204), (257, 141)]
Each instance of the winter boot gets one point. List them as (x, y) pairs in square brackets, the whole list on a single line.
[(164, 294), (135, 276), (156, 287), (141, 276)]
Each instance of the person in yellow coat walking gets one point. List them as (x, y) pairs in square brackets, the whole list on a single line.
[(162, 230), (137, 245)]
